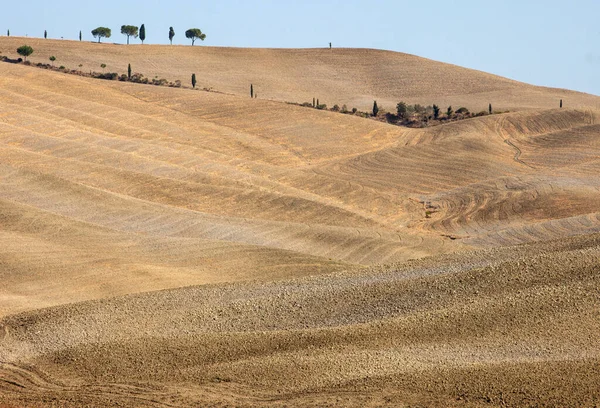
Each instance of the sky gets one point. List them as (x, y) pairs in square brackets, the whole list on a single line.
[(549, 43)]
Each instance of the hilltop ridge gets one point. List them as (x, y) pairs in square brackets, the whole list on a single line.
[(354, 77)]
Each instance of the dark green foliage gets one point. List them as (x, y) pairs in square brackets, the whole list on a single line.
[(561, 103), (375, 108), (251, 91), (52, 59), (354, 110), (195, 34), (317, 103), (129, 71), (336, 108), (322, 107), (490, 109), (8, 33), (314, 103), (142, 33), (45, 34), (103, 66), (129, 31), (463, 111), (344, 109), (194, 81), (25, 51), (171, 34), (111, 76), (449, 112), (436, 112), (401, 109), (80, 35), (101, 32), (419, 109)]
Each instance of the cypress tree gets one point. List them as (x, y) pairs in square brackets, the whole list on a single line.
[(318, 102), (375, 108), (251, 91), (8, 33), (142, 33), (79, 35), (45, 34), (129, 71), (490, 108), (561, 103), (436, 111), (314, 103), (171, 34), (194, 81)]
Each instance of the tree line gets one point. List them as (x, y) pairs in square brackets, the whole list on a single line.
[(140, 32), (136, 32)]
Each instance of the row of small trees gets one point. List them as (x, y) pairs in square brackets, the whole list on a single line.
[(135, 32)]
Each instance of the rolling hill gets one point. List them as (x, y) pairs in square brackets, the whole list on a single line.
[(169, 247)]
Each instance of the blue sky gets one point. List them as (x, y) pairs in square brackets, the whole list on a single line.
[(551, 43)]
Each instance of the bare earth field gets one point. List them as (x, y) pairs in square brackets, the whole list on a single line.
[(170, 247)]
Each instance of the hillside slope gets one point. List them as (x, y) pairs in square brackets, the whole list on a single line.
[(354, 77), (172, 247), (503, 327)]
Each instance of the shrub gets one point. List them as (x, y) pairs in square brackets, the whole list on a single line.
[(307, 105), (336, 108), (322, 106), (463, 111), (108, 75), (344, 109), (401, 109), (419, 109), (61, 67), (354, 110)]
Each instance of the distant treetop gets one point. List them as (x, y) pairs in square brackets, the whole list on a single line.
[(129, 31), (195, 34), (101, 32)]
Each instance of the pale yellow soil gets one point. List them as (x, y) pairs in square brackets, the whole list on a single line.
[(171, 247), (354, 77)]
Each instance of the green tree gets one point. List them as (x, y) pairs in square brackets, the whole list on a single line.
[(129, 31), (52, 59), (195, 34), (194, 81), (8, 33), (375, 108), (490, 108), (80, 35), (102, 66), (45, 34), (449, 112), (171, 34), (251, 91), (436, 112), (101, 32), (401, 109), (25, 51), (129, 71), (142, 33)]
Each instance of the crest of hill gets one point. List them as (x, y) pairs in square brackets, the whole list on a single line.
[(354, 77)]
